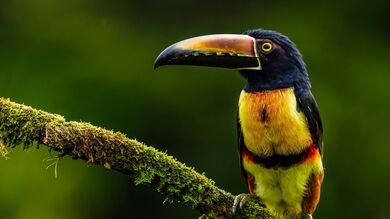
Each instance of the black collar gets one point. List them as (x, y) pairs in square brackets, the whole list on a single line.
[(277, 160)]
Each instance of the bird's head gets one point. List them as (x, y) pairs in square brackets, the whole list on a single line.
[(267, 59)]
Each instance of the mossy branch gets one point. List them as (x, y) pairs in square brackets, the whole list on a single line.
[(21, 125)]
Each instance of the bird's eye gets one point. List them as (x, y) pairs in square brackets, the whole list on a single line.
[(266, 47)]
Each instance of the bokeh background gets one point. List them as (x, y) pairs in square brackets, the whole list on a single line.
[(92, 60)]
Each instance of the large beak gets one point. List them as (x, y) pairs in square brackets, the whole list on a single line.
[(232, 51)]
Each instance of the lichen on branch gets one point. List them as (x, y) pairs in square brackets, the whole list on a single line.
[(24, 126)]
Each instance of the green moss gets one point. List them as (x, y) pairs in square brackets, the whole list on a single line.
[(172, 178), (22, 125), (107, 166), (3, 149)]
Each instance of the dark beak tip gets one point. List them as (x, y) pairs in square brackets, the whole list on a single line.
[(165, 57), (158, 63)]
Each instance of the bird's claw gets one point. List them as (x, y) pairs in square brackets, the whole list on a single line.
[(307, 216), (239, 202)]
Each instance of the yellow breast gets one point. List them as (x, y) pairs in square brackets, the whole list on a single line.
[(271, 123)]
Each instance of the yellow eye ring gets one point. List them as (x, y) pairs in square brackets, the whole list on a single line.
[(266, 47)]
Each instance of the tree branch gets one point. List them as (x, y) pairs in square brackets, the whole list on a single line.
[(25, 126)]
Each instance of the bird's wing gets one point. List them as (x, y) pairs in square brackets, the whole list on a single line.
[(308, 105)]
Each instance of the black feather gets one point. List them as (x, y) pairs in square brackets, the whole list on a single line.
[(308, 105)]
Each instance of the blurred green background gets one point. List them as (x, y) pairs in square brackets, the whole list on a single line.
[(93, 61)]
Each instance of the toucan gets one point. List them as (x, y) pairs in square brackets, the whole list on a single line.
[(278, 124)]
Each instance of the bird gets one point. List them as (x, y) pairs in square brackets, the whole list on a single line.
[(279, 129)]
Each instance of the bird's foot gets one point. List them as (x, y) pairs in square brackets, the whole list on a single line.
[(239, 201), (306, 216)]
